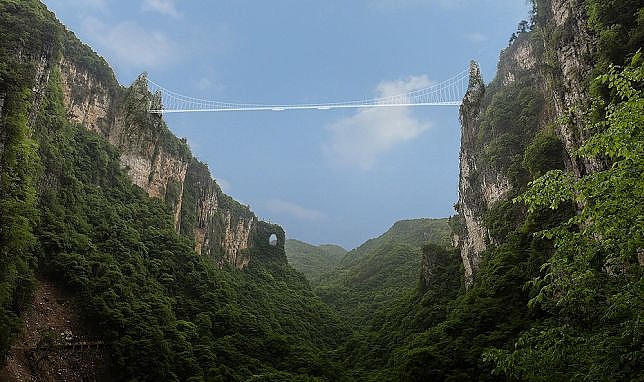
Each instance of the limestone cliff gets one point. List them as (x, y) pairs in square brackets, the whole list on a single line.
[(569, 46), (222, 229), (540, 86), (498, 122), (155, 159), (471, 238)]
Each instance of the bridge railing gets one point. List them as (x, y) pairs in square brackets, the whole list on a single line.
[(446, 93)]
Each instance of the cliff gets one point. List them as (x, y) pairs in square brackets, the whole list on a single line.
[(533, 106), (155, 160), (498, 122), (102, 212), (471, 237), (532, 117), (568, 45)]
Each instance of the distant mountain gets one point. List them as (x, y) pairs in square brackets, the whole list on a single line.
[(312, 260), (113, 234), (382, 269), (414, 232)]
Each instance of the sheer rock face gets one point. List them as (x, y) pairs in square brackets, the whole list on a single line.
[(100, 108), (572, 50), (472, 238), (479, 186), (482, 186), (223, 230), (93, 105), (92, 110), (235, 241), (227, 233), (559, 58), (207, 206)]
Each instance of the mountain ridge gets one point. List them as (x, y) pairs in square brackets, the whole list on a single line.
[(178, 280), (382, 269), (107, 219)]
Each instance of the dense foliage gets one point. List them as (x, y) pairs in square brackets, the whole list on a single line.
[(375, 350), (313, 261), (593, 285), (20, 168), (558, 296), (381, 270), (70, 213)]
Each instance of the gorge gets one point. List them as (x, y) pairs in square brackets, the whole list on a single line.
[(123, 259)]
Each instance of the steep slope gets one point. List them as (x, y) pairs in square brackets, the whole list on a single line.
[(498, 123), (153, 157), (550, 229), (313, 261), (381, 270), (533, 117), (100, 199), (414, 232)]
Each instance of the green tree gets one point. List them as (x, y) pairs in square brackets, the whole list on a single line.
[(19, 167), (593, 286)]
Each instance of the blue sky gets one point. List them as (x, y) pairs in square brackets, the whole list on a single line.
[(337, 176)]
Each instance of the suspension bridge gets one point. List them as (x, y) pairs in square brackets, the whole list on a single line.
[(449, 92)]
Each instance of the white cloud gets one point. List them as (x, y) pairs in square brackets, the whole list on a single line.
[(132, 44), (277, 206), (359, 140), (165, 7), (203, 84)]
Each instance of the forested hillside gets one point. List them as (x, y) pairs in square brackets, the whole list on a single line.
[(313, 261), (174, 280), (381, 270), (70, 214), (550, 227)]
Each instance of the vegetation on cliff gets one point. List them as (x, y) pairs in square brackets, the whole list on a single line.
[(70, 213), (381, 270), (592, 288), (558, 294)]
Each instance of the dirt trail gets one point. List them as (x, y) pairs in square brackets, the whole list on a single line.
[(43, 352)]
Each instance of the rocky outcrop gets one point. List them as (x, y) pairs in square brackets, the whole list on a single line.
[(523, 59), (472, 237), (155, 159), (569, 46), (236, 241), (43, 66), (221, 227), (493, 135), (120, 115), (553, 61), (88, 100)]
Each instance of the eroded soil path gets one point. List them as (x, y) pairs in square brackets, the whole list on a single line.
[(56, 344)]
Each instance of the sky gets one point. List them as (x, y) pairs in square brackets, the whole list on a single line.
[(326, 176)]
